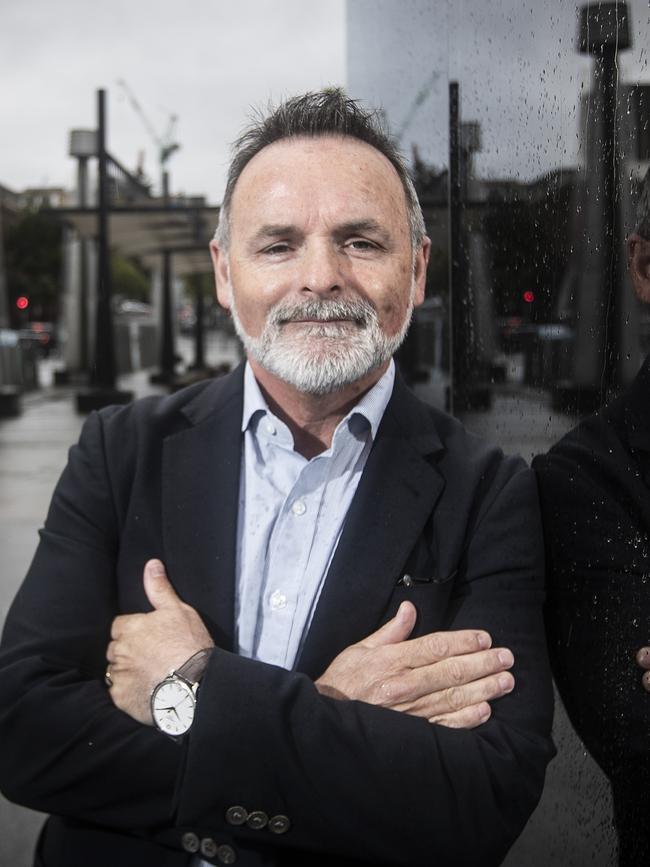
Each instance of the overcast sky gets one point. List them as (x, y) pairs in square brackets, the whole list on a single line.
[(208, 60), (205, 60)]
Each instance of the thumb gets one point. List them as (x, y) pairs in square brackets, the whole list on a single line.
[(396, 630), (160, 592)]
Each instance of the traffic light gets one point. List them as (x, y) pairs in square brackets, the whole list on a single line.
[(528, 296), (22, 302)]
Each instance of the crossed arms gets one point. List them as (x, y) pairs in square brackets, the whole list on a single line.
[(444, 677)]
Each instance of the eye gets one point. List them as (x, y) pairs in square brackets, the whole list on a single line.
[(361, 244), (277, 249)]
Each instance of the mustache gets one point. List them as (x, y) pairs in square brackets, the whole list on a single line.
[(359, 311)]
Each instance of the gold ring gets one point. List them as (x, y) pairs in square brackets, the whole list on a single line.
[(108, 680)]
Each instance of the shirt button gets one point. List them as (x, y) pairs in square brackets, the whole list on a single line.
[(236, 815), (269, 427), (299, 507), (278, 600), (190, 842)]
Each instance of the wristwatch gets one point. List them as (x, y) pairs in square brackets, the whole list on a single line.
[(173, 700)]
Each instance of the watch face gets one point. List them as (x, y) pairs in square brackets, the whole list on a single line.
[(172, 706)]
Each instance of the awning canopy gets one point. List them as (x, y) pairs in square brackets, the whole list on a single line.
[(146, 231)]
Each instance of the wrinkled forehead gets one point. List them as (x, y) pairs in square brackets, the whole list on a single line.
[(315, 166)]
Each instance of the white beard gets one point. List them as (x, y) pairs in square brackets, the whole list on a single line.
[(321, 358)]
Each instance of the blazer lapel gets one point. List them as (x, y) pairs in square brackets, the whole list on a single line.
[(636, 405), (396, 495), (201, 466), (637, 415)]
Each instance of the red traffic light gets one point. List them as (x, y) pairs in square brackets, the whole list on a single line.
[(22, 302), (528, 296)]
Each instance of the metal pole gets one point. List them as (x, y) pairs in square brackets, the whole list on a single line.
[(4, 295), (608, 72), (82, 186), (167, 343), (199, 334), (103, 373), (455, 272), (166, 372)]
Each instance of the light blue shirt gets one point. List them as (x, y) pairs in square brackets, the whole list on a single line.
[(291, 515)]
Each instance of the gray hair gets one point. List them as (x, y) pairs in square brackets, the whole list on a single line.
[(325, 112), (643, 209)]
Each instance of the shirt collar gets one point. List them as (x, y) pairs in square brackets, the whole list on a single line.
[(371, 406), (253, 398)]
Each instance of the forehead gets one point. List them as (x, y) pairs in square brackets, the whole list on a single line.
[(331, 174)]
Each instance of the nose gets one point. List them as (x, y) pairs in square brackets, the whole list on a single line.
[(322, 270)]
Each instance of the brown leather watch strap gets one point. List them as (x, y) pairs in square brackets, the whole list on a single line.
[(195, 665)]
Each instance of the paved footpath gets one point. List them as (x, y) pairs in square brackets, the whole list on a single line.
[(572, 826)]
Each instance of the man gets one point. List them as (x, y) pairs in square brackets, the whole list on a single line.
[(595, 491), (325, 556)]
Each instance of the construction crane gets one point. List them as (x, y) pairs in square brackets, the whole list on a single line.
[(420, 98), (165, 143)]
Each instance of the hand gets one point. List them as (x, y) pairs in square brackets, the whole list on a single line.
[(145, 648), (445, 677), (643, 659)]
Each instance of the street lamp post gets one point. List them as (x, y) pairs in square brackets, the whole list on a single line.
[(103, 391), (83, 146), (167, 372)]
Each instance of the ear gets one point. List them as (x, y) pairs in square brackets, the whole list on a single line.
[(221, 274), (638, 261), (420, 270)]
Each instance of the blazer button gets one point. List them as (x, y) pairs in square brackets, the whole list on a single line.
[(190, 842), (279, 824), (236, 815), (226, 854), (208, 847), (257, 820)]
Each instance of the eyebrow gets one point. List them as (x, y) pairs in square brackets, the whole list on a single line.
[(352, 227), (272, 230), (361, 227)]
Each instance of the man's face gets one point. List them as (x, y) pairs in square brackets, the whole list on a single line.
[(320, 273), (638, 249)]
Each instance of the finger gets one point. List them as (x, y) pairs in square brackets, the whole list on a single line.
[(160, 592), (436, 646), (456, 698), (645, 680), (461, 670), (452, 684), (117, 626), (123, 623), (643, 657), (117, 652), (467, 718), (396, 630)]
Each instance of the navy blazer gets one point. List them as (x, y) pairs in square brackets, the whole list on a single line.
[(358, 783), (595, 491)]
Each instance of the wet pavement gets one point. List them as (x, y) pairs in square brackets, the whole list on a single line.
[(572, 826)]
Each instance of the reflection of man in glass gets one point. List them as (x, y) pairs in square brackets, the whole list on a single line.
[(595, 490), (308, 510)]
